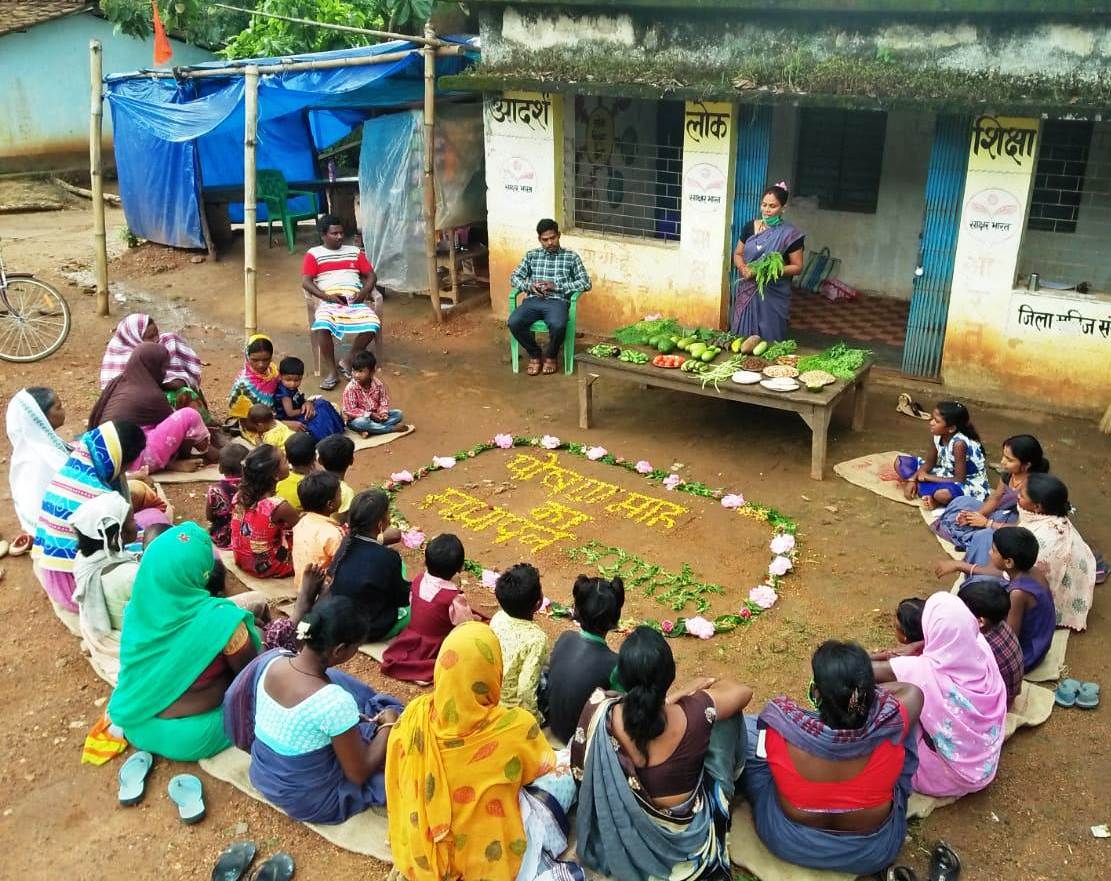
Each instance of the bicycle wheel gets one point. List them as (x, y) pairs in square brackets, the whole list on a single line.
[(34, 320)]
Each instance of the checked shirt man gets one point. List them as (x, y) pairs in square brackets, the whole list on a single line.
[(548, 276)]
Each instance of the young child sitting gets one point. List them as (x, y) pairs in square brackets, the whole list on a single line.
[(524, 646), (316, 414), (367, 571), (989, 603), (336, 454), (908, 630), (954, 467), (300, 453), (436, 605), (366, 400), (260, 426), (582, 662), (219, 500), (317, 537), (1032, 615), (261, 523)]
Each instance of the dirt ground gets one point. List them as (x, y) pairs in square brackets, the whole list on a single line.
[(859, 556)]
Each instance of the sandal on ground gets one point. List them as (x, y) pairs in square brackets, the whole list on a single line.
[(279, 867), (910, 407), (187, 793), (21, 544), (133, 777), (550, 367), (1101, 564), (234, 861), (901, 873), (533, 367), (1087, 698), (4, 546), (945, 865), (328, 384), (1067, 690)]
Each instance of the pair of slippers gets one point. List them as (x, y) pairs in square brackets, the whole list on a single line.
[(945, 865), (910, 407), (19, 545), (1074, 693), (237, 858), (185, 790)]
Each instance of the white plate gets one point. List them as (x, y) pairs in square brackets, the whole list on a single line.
[(780, 384), (746, 377)]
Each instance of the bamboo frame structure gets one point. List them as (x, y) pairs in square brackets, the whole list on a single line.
[(432, 48), (385, 35), (96, 172)]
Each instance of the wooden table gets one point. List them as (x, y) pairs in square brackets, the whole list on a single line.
[(815, 408)]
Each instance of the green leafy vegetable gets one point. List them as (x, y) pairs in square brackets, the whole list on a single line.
[(767, 269), (839, 360), (778, 350), (638, 334)]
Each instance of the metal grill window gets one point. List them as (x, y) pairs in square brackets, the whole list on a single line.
[(1081, 256), (628, 157), (1059, 176), (840, 156)]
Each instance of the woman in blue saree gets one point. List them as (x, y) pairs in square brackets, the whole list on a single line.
[(766, 313)]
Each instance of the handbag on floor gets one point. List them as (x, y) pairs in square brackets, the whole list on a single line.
[(819, 266)]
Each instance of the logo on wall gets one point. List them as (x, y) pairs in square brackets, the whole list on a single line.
[(993, 216), (518, 178), (704, 185), (599, 136)]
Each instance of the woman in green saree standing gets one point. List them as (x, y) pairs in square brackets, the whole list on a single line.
[(179, 651)]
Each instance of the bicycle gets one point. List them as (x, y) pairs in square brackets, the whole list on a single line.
[(34, 317)]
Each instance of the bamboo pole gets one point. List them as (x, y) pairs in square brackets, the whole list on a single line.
[(429, 171), (96, 172), (328, 27), (292, 66), (250, 202)]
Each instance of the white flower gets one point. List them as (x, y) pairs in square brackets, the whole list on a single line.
[(549, 442), (503, 441), (783, 543), (443, 461), (644, 467), (764, 596), (672, 481), (303, 630), (732, 501), (700, 627), (595, 453), (402, 477), (489, 578), (780, 566), (655, 316)]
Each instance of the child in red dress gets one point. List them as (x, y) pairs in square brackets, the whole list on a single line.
[(437, 605)]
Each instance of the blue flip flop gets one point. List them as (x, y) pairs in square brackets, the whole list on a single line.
[(1088, 696), (278, 868), (1066, 693), (187, 793), (133, 777)]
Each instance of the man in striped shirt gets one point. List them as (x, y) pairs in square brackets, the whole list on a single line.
[(548, 276)]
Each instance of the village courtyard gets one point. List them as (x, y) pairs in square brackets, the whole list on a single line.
[(859, 556)]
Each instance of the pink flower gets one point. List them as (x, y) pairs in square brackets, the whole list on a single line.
[(443, 461), (549, 442), (412, 538), (700, 627), (672, 481), (595, 453), (644, 467), (780, 566), (783, 543), (503, 441), (732, 501), (489, 578), (764, 596), (746, 612), (402, 477), (666, 626), (655, 316), (544, 605)]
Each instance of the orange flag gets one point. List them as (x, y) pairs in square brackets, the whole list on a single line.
[(163, 51)]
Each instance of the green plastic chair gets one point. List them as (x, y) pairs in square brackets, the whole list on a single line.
[(273, 191), (541, 327)]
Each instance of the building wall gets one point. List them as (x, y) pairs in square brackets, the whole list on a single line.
[(1080, 255), (44, 89), (878, 251), (1003, 343), (527, 167)]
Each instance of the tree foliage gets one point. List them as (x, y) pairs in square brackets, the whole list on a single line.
[(241, 35)]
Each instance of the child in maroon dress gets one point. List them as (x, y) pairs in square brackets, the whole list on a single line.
[(436, 606)]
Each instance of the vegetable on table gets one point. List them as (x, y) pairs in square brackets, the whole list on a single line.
[(604, 350), (640, 333), (670, 361), (839, 360), (767, 269), (778, 350), (632, 356)]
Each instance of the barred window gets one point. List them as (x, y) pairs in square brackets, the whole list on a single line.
[(1059, 175), (840, 156), (628, 157)]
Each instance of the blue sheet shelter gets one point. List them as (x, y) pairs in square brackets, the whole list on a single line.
[(179, 131)]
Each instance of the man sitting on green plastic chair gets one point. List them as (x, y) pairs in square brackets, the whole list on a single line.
[(548, 276)]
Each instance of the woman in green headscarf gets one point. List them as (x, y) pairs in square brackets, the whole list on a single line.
[(179, 651)]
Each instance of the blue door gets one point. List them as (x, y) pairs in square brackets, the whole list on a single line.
[(753, 145), (929, 303)]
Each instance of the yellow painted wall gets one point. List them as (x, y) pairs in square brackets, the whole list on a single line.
[(1046, 350), (632, 277)]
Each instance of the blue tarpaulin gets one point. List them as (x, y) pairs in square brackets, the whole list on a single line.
[(172, 134)]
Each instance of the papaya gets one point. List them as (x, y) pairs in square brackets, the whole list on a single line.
[(665, 346), (761, 348), (735, 346), (708, 356), (696, 349), (749, 344)]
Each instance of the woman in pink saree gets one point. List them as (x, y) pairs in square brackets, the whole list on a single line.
[(961, 728)]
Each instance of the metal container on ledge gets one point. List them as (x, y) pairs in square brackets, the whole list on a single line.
[(1034, 283)]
